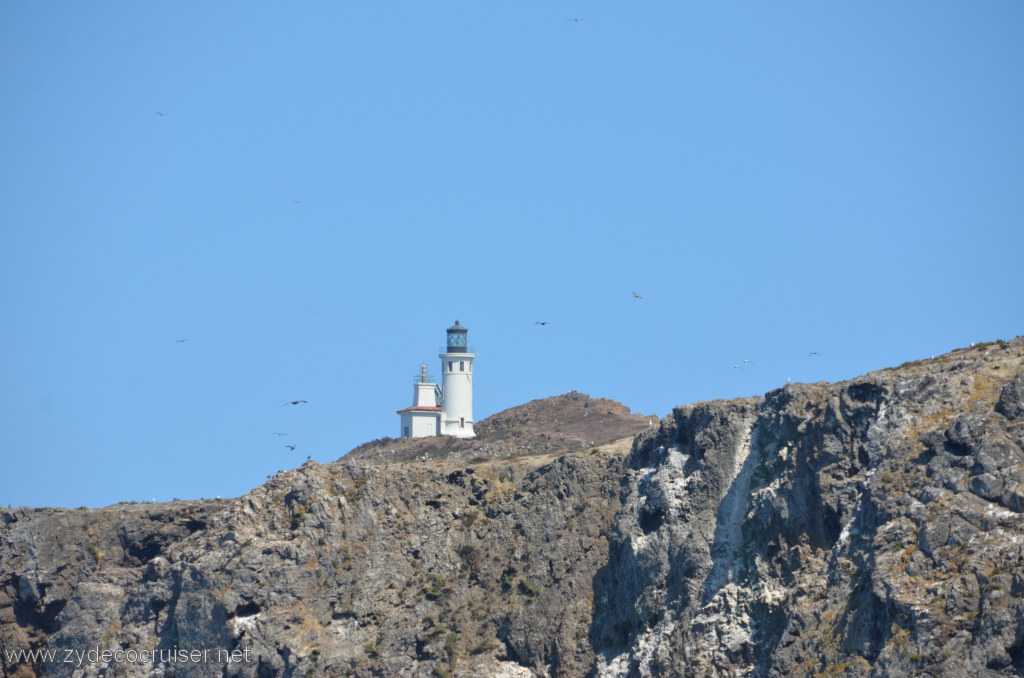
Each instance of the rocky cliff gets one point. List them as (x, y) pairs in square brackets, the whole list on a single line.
[(870, 527)]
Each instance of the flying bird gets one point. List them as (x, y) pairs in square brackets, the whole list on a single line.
[(280, 434), (181, 341), (162, 115), (291, 447), (576, 19), (814, 353), (636, 296), (751, 362), (736, 367), (293, 402), (540, 322), (296, 202)]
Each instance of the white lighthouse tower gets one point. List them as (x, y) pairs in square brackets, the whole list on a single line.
[(457, 384)]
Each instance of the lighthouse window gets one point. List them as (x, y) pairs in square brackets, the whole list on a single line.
[(450, 368), (462, 422), (462, 366)]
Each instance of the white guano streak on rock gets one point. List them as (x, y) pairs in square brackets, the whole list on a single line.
[(732, 511), (615, 667), (673, 481), (240, 624), (723, 617)]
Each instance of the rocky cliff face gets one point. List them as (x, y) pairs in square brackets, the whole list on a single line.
[(871, 527)]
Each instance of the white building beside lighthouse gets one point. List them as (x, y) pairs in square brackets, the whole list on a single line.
[(448, 409), (424, 417)]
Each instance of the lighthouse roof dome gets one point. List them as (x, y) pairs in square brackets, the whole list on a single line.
[(457, 328)]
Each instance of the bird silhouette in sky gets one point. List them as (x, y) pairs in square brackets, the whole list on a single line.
[(813, 353), (636, 296), (751, 362), (296, 202), (181, 341), (280, 434), (291, 447), (576, 19), (541, 322), (736, 367), (293, 402), (162, 115)]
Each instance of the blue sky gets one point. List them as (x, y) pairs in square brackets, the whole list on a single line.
[(333, 184)]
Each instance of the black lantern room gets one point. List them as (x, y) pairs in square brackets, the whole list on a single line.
[(457, 338)]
